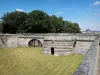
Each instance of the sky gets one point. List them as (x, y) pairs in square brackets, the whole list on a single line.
[(84, 12)]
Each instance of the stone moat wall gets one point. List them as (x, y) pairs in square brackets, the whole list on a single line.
[(89, 64), (16, 40), (87, 44)]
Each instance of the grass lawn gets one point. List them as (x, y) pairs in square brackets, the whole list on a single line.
[(31, 61)]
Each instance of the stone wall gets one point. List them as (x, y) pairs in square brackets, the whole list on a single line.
[(69, 37), (89, 64), (90, 61), (15, 40), (61, 48), (82, 46), (8, 40)]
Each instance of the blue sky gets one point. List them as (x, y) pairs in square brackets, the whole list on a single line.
[(84, 12)]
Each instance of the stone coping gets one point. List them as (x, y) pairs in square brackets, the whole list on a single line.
[(88, 66)]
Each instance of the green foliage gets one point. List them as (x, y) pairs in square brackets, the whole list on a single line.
[(36, 21), (12, 21), (56, 24), (0, 27)]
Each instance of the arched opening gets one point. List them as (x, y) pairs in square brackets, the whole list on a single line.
[(34, 43)]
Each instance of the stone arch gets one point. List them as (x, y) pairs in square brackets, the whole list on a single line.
[(34, 43)]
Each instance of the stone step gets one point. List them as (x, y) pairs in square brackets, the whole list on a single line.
[(59, 40), (62, 42), (58, 44), (58, 48), (61, 47), (68, 50), (47, 42)]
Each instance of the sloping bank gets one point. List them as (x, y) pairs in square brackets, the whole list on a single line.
[(89, 64)]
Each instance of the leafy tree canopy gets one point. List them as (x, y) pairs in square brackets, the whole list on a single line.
[(36, 21)]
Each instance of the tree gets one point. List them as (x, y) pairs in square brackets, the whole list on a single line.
[(1, 27), (76, 28), (70, 27), (12, 21), (36, 21), (56, 24), (88, 29)]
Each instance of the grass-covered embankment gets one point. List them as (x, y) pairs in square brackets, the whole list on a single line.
[(31, 61)]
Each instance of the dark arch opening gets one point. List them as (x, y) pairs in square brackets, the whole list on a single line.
[(34, 43)]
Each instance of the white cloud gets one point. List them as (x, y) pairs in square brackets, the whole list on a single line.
[(19, 10), (59, 13), (97, 14), (95, 3)]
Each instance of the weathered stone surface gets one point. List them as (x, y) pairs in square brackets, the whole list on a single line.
[(82, 46), (89, 64)]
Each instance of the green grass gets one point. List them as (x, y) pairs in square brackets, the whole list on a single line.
[(31, 61)]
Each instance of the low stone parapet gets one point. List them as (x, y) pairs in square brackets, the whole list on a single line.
[(90, 61)]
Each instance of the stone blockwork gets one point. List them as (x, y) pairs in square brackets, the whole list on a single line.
[(64, 44), (90, 61), (61, 44), (61, 47), (16, 40), (8, 40), (82, 46)]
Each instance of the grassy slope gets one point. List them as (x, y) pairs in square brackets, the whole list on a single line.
[(31, 61)]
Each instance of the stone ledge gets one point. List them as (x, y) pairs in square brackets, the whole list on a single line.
[(89, 64)]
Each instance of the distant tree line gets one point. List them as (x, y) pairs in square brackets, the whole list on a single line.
[(36, 21)]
